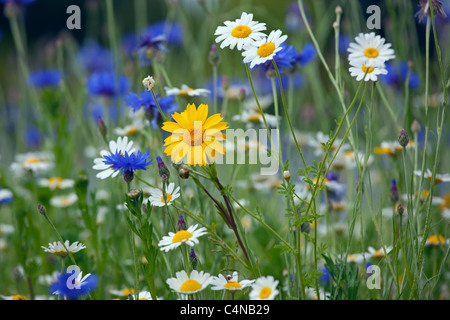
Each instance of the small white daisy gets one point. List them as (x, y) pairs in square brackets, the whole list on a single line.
[(174, 240), (371, 49), (264, 288), (392, 148), (132, 129), (56, 183), (123, 145), (356, 258), (195, 282), (122, 293), (378, 254), (230, 282), (64, 201), (240, 33), (157, 197), (264, 49), (14, 297), (358, 69), (255, 118), (186, 91), (445, 177), (58, 249), (38, 162)]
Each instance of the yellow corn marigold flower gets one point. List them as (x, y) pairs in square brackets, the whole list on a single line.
[(195, 136)]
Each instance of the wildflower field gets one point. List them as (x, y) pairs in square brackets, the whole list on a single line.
[(224, 150)]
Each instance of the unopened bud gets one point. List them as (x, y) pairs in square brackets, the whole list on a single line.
[(102, 127), (214, 57), (128, 176), (286, 175), (394, 191), (149, 83), (338, 10), (194, 259), (41, 209), (164, 173), (305, 227), (183, 172), (415, 126), (403, 138), (400, 209), (134, 194), (181, 224)]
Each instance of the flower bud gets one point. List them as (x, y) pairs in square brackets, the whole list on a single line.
[(194, 259), (400, 209), (149, 83), (286, 175), (164, 173), (415, 126), (214, 57), (183, 172), (134, 194), (128, 176), (403, 138), (41, 209), (181, 224), (102, 127), (338, 10), (394, 191)]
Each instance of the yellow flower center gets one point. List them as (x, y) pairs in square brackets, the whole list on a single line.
[(352, 258), (190, 285), (184, 93), (31, 161), (232, 284), (193, 137), (241, 31), (266, 49), (181, 236), (127, 291), (132, 130), (168, 196), (65, 201), (61, 253), (55, 182), (255, 118), (378, 254), (436, 240), (364, 69), (265, 292), (19, 297), (371, 52)]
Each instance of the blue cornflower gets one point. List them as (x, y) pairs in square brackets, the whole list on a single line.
[(324, 278), (307, 55), (155, 38), (104, 84), (95, 58), (33, 136), (146, 100), (397, 74), (6, 196), (125, 162), (72, 286), (45, 78)]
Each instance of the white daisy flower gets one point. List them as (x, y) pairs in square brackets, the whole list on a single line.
[(429, 175), (186, 91), (355, 258), (195, 282), (240, 33), (255, 118), (392, 148), (122, 293), (264, 288), (174, 240), (132, 129), (264, 49), (359, 68), (56, 183), (38, 162), (58, 249), (378, 254), (230, 282), (157, 197), (64, 201), (371, 49), (317, 142), (123, 145)]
